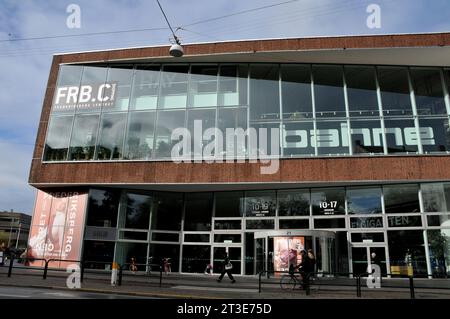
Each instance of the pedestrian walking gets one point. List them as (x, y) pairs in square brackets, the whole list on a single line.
[(227, 266)]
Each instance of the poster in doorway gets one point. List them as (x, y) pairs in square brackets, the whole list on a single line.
[(287, 252)]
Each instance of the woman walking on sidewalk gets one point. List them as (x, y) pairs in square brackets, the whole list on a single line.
[(227, 267)]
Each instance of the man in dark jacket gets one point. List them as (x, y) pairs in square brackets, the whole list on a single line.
[(226, 268), (305, 268)]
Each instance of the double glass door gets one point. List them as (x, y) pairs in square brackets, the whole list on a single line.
[(363, 256)]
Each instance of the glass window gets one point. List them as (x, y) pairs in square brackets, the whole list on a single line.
[(366, 222), (364, 200), (428, 91), (230, 238), (328, 201), (196, 238), (103, 208), (434, 135), (401, 136), (361, 237), (264, 92), (361, 91), (160, 251), (125, 251), (439, 247), (406, 249), (66, 91), (233, 82), (229, 204), (140, 135), (294, 224), (439, 221), (84, 134), (328, 91), (167, 210), (436, 197), (122, 76), (366, 137), (296, 92), (293, 202), (332, 138), (195, 258), (110, 141), (394, 91), (137, 211), (235, 120), (92, 89), (57, 141), (167, 122), (260, 203), (198, 122), (133, 235), (329, 223), (227, 224), (203, 86), (95, 253), (174, 86), (145, 88), (165, 237), (401, 199), (198, 212), (268, 139), (260, 224), (298, 139)]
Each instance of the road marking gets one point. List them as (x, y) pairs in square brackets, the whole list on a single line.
[(14, 296), (60, 294), (217, 289)]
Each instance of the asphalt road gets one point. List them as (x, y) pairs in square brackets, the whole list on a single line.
[(40, 293)]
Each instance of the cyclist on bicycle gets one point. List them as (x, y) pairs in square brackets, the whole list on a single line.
[(305, 268)]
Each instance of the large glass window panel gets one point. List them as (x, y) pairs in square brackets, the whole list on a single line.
[(203, 86), (233, 82), (401, 199), (167, 122), (434, 134), (167, 210), (364, 200), (137, 211), (401, 136), (57, 141), (264, 92), (406, 249), (436, 197), (103, 208), (110, 141), (329, 223), (366, 137), (84, 134), (439, 248), (198, 122), (328, 201), (198, 211), (404, 221), (428, 91), (68, 81), (229, 204), (235, 120), (439, 221), (195, 258), (332, 138), (227, 224), (260, 203), (298, 139), (361, 91), (394, 91), (160, 251), (296, 92), (268, 138), (293, 202), (260, 224), (294, 223), (328, 91), (174, 86), (122, 76), (145, 88), (140, 135), (92, 89)]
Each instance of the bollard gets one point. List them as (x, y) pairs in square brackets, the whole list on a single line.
[(411, 288), (11, 263), (160, 275), (114, 274), (119, 283), (82, 271), (46, 269), (259, 282)]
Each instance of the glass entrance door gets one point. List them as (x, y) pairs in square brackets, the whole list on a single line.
[(363, 256), (234, 253)]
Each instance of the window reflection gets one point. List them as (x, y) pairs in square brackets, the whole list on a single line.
[(401, 199), (140, 135), (58, 135), (123, 76), (332, 138), (174, 84), (233, 85), (436, 197), (198, 211), (394, 91), (298, 139), (361, 91), (92, 77), (401, 136), (137, 211), (296, 91), (428, 91), (366, 137), (293, 202), (203, 86), (84, 134), (328, 91), (434, 134), (167, 210), (264, 92), (167, 122), (364, 201), (110, 141), (145, 88)]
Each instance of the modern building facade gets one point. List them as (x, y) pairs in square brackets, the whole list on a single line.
[(355, 131), (14, 229)]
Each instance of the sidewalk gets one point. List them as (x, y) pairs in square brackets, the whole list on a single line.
[(206, 286)]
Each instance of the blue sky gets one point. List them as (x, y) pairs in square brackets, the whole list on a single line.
[(25, 64)]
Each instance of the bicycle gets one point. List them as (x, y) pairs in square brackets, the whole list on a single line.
[(291, 281)]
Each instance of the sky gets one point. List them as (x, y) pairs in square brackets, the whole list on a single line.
[(32, 31)]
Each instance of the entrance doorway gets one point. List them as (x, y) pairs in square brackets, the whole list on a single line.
[(234, 253), (362, 256)]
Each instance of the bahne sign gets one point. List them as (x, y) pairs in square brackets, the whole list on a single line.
[(85, 96)]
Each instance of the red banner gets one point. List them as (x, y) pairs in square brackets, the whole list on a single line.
[(57, 230)]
